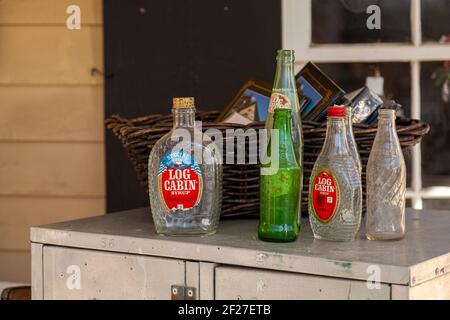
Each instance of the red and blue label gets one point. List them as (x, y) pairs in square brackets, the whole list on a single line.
[(180, 181)]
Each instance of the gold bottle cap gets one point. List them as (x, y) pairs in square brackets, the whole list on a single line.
[(183, 102)]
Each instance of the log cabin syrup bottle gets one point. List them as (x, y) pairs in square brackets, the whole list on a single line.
[(335, 194), (185, 177)]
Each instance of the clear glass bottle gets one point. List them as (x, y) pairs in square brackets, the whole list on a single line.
[(185, 177), (284, 95), (386, 182), (335, 193), (351, 138)]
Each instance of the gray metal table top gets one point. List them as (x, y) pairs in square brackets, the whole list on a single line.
[(422, 255)]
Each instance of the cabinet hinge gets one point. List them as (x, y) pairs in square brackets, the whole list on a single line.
[(183, 293)]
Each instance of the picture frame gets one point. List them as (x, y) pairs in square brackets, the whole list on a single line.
[(249, 105), (318, 90)]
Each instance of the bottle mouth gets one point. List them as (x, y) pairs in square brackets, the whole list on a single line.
[(386, 112), (183, 102), (336, 111), (286, 55)]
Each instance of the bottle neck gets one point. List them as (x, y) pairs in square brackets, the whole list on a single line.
[(348, 120), (386, 123), (348, 116), (183, 117), (386, 131), (336, 137), (284, 75)]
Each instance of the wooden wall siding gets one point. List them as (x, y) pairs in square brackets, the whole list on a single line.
[(50, 55), (58, 113), (15, 265), (48, 11), (51, 122), (57, 169), (29, 211)]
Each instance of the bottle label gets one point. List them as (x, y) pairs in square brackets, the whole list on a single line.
[(279, 101), (180, 181), (324, 197)]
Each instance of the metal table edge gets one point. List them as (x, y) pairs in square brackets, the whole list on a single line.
[(224, 255)]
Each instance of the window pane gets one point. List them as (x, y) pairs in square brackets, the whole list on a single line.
[(352, 76), (435, 19), (397, 85), (436, 145), (345, 21)]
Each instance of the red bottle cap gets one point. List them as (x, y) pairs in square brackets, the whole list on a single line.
[(336, 111)]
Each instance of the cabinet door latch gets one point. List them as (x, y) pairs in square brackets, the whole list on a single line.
[(183, 293)]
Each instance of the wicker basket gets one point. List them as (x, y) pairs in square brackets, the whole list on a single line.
[(241, 182)]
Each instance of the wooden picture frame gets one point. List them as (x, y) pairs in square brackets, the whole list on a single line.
[(259, 91), (319, 90)]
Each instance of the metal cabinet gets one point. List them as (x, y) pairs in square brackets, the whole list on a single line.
[(119, 256), (89, 274), (251, 284)]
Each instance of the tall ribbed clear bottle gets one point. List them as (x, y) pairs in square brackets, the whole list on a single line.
[(386, 182), (335, 193), (284, 92), (185, 177)]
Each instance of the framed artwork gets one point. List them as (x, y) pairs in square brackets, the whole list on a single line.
[(318, 91), (249, 105)]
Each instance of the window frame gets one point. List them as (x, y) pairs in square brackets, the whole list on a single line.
[(296, 15)]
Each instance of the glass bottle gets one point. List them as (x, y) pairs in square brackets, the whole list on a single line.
[(280, 184), (351, 138), (386, 182), (284, 95), (335, 193), (185, 180)]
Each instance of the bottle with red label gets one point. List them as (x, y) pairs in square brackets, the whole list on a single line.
[(335, 193), (184, 176)]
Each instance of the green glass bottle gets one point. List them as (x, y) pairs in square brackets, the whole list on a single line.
[(284, 95), (280, 181)]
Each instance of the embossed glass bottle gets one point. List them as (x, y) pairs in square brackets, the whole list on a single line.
[(335, 193), (386, 182), (185, 177)]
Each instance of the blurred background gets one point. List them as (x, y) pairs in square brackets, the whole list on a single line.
[(57, 85)]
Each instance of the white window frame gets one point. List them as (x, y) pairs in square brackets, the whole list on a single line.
[(296, 34)]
